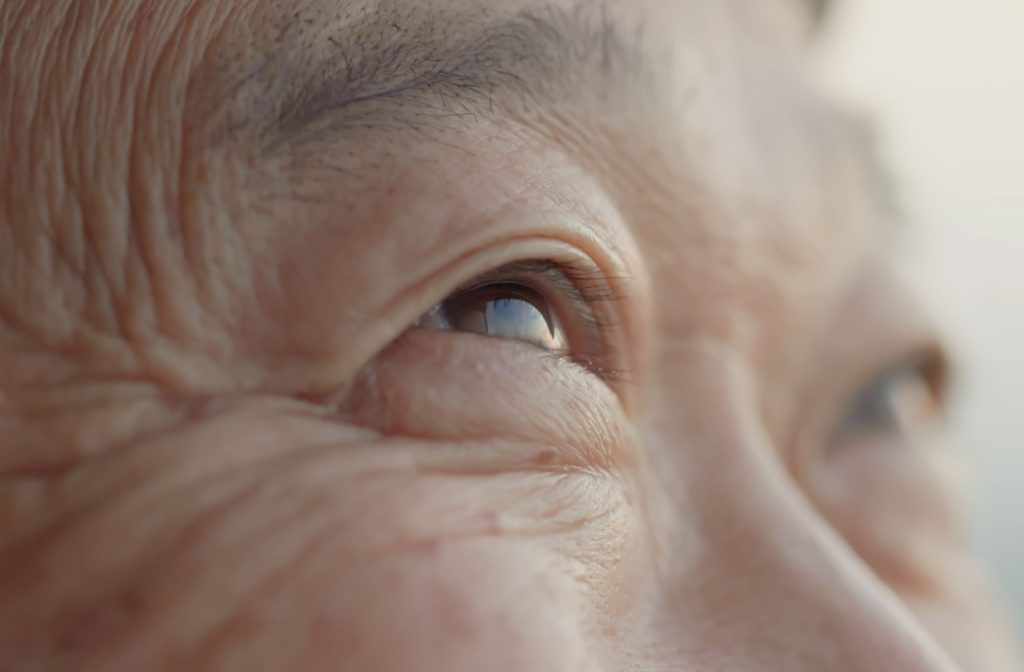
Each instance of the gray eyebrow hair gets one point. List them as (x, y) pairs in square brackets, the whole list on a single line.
[(434, 69)]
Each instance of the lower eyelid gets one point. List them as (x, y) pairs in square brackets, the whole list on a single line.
[(454, 386)]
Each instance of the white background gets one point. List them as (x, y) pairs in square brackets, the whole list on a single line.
[(945, 79)]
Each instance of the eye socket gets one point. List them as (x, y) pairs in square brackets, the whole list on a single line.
[(508, 310), (897, 405), (555, 307)]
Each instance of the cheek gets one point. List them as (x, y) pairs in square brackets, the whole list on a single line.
[(472, 569), (899, 508), (534, 445), (267, 537), (468, 605)]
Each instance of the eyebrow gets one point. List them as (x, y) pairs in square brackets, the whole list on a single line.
[(432, 69)]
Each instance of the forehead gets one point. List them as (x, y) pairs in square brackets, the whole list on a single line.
[(335, 53), (673, 105), (314, 69)]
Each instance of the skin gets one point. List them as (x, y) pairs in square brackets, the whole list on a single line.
[(226, 446)]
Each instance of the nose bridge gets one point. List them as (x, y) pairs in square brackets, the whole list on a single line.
[(770, 586)]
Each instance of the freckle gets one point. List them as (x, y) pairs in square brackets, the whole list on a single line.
[(545, 457)]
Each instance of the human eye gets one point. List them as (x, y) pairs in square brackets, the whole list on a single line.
[(885, 475), (501, 309), (559, 309), (901, 404)]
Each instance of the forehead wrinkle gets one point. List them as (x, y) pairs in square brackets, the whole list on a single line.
[(433, 66)]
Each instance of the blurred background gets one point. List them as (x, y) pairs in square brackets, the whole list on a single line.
[(945, 80)]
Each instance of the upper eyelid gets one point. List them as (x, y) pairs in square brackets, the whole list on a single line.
[(591, 286), (505, 271)]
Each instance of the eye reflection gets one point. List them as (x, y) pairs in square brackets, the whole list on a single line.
[(506, 310)]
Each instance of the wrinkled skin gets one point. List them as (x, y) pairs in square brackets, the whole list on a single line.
[(225, 446)]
